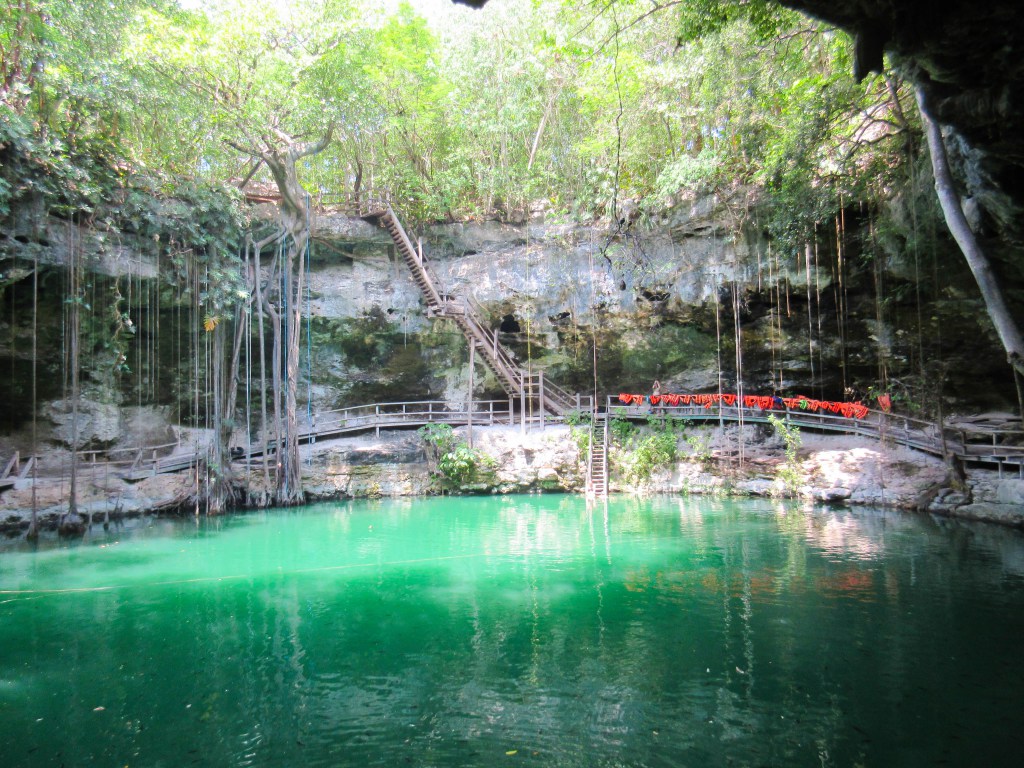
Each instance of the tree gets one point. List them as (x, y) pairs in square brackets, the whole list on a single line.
[(998, 310), (249, 64)]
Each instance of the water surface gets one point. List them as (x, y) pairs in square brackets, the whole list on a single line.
[(537, 631)]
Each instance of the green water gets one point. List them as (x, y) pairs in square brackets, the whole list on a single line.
[(533, 631)]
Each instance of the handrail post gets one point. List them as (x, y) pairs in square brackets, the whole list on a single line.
[(522, 402), (540, 399), (469, 404)]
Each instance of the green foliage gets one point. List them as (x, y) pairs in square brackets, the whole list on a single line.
[(440, 437), (688, 172), (580, 427), (69, 181), (622, 430), (789, 473), (480, 113), (456, 464), (578, 418), (702, 18), (463, 465), (648, 453), (700, 447), (641, 452), (666, 423)]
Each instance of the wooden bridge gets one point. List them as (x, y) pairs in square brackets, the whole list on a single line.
[(995, 448), (15, 470), (1001, 447)]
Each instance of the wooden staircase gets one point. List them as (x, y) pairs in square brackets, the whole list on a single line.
[(597, 461), (527, 386), (15, 470)]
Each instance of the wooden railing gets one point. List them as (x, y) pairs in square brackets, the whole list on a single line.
[(16, 470), (903, 430), (138, 462), (378, 416)]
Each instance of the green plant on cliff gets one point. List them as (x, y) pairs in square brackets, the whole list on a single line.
[(622, 430), (579, 431), (647, 454), (790, 474), (440, 438), (463, 465), (700, 444), (644, 451), (455, 464)]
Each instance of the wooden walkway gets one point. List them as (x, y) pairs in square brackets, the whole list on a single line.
[(993, 448), (15, 470), (999, 447)]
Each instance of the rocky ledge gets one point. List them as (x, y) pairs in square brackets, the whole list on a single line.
[(856, 471)]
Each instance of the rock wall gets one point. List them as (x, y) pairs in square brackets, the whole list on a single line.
[(694, 297), (668, 298)]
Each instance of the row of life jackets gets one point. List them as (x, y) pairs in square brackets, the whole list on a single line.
[(856, 410)]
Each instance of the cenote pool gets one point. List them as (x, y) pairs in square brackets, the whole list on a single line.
[(530, 630)]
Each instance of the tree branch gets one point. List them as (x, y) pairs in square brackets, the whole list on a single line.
[(316, 148)]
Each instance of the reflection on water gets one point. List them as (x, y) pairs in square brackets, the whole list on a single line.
[(535, 630)]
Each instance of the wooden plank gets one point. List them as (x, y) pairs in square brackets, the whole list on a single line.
[(10, 466)]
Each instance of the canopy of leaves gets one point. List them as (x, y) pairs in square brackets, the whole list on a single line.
[(571, 106)]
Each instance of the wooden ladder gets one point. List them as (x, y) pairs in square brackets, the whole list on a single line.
[(597, 460)]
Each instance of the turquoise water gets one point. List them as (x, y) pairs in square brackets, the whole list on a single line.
[(532, 630)]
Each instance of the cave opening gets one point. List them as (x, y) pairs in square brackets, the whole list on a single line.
[(509, 324)]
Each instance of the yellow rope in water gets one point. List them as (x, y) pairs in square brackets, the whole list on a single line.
[(27, 593)]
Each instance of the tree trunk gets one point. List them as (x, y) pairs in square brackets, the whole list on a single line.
[(995, 303), (295, 220), (257, 278), (280, 154)]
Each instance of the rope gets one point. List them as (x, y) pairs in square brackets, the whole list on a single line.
[(309, 334), (24, 594)]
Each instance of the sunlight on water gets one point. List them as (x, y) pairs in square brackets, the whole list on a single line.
[(534, 630)]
